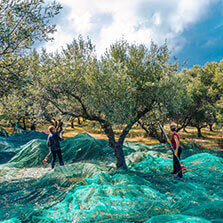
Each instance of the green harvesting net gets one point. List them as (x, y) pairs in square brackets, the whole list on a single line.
[(89, 189), (9, 146)]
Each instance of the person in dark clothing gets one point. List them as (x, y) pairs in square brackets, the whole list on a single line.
[(53, 142), (175, 141)]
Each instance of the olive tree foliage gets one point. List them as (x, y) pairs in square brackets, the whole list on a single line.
[(218, 89), (22, 23), (201, 106), (16, 106), (19, 103), (219, 115), (116, 90), (194, 100), (172, 106)]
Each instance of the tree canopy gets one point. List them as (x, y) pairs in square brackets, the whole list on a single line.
[(115, 90), (129, 84), (23, 23)]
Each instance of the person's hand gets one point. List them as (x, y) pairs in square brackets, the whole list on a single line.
[(175, 152)]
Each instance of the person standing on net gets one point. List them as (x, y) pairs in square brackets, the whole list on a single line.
[(175, 141), (53, 142)]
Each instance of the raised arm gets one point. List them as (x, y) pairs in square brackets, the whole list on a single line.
[(60, 137)]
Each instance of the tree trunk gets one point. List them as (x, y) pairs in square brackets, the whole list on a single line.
[(184, 130), (72, 124), (119, 154), (199, 132), (211, 127), (145, 129), (159, 137), (12, 124), (117, 147), (152, 132), (33, 126), (24, 123)]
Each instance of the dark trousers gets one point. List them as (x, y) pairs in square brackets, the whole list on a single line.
[(56, 153), (176, 165)]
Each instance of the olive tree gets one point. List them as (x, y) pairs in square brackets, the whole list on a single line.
[(116, 90), (22, 23), (172, 106), (200, 106)]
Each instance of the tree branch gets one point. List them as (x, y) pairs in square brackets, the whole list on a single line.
[(185, 124), (129, 126)]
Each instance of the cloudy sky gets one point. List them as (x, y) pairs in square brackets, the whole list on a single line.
[(192, 28)]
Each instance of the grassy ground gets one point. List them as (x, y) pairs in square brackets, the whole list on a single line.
[(210, 140)]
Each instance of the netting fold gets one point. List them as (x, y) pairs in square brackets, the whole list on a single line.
[(89, 189)]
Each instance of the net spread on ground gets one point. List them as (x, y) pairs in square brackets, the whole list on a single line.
[(89, 189)]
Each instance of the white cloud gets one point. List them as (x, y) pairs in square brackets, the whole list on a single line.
[(136, 20)]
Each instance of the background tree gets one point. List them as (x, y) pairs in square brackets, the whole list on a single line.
[(201, 107), (23, 23), (218, 89), (173, 106)]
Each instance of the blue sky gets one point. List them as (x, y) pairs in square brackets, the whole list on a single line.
[(192, 28), (204, 39)]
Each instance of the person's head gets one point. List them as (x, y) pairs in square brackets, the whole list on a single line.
[(52, 129), (173, 128)]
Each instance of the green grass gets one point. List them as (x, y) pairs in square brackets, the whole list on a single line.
[(210, 140)]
